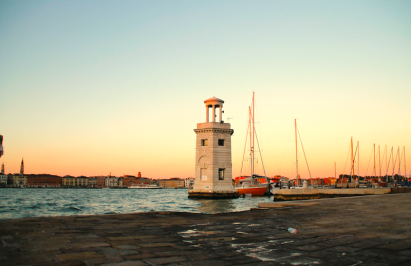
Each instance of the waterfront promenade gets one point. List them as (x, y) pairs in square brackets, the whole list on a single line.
[(366, 230)]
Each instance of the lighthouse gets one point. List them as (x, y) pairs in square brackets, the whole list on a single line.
[(213, 167)]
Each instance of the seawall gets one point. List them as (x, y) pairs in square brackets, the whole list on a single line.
[(320, 193)]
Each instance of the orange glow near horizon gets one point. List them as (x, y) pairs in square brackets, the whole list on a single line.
[(120, 88)]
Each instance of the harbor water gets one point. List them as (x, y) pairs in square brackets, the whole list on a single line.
[(36, 202)]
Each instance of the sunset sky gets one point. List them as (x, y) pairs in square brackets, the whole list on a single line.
[(93, 87)]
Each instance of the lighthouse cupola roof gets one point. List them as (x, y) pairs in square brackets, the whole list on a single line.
[(213, 101)]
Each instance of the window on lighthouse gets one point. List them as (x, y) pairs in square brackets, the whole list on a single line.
[(204, 142), (221, 173), (220, 142)]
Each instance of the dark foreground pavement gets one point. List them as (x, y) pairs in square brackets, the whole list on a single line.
[(368, 230)]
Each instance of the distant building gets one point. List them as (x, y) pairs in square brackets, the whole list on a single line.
[(128, 180), (189, 182), (9, 180), (2, 169), (44, 180), (332, 180), (3, 180), (82, 181), (284, 179), (69, 181), (92, 182), (279, 180), (174, 182), (100, 181), (17, 180), (145, 180), (111, 181)]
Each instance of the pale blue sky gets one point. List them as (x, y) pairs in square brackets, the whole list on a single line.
[(119, 85)]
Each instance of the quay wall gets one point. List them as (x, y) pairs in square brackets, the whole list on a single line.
[(401, 190), (314, 193)]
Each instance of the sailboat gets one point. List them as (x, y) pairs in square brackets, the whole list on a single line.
[(255, 185), (298, 184)]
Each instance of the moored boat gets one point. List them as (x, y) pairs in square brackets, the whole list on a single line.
[(254, 190), (253, 185), (145, 186)]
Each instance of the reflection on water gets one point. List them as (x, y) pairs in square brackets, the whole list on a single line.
[(215, 206), (36, 202)]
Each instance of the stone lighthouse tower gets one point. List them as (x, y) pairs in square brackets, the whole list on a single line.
[(213, 168)]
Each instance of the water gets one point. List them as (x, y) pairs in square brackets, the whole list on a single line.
[(26, 202)]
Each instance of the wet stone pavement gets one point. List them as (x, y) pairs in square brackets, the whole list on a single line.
[(368, 230)]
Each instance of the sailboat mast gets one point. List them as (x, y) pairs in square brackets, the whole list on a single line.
[(375, 172), (379, 159), (405, 165), (253, 133), (399, 163), (251, 143), (386, 158), (358, 168), (388, 166), (393, 166), (395, 163), (352, 160), (296, 155)]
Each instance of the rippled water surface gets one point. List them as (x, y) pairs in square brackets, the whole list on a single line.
[(26, 202)]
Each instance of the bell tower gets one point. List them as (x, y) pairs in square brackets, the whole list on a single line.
[(1, 145), (22, 167), (213, 167)]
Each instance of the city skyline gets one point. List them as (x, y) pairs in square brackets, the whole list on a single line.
[(99, 87)]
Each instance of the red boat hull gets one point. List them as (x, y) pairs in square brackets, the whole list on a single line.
[(255, 191)]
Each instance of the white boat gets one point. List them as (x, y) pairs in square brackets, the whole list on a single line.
[(143, 186)]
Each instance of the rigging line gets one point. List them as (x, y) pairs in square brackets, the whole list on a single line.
[(245, 146), (379, 159), (304, 152), (389, 163), (346, 159), (395, 163), (383, 156), (258, 144), (366, 173), (238, 157), (399, 163), (353, 163)]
